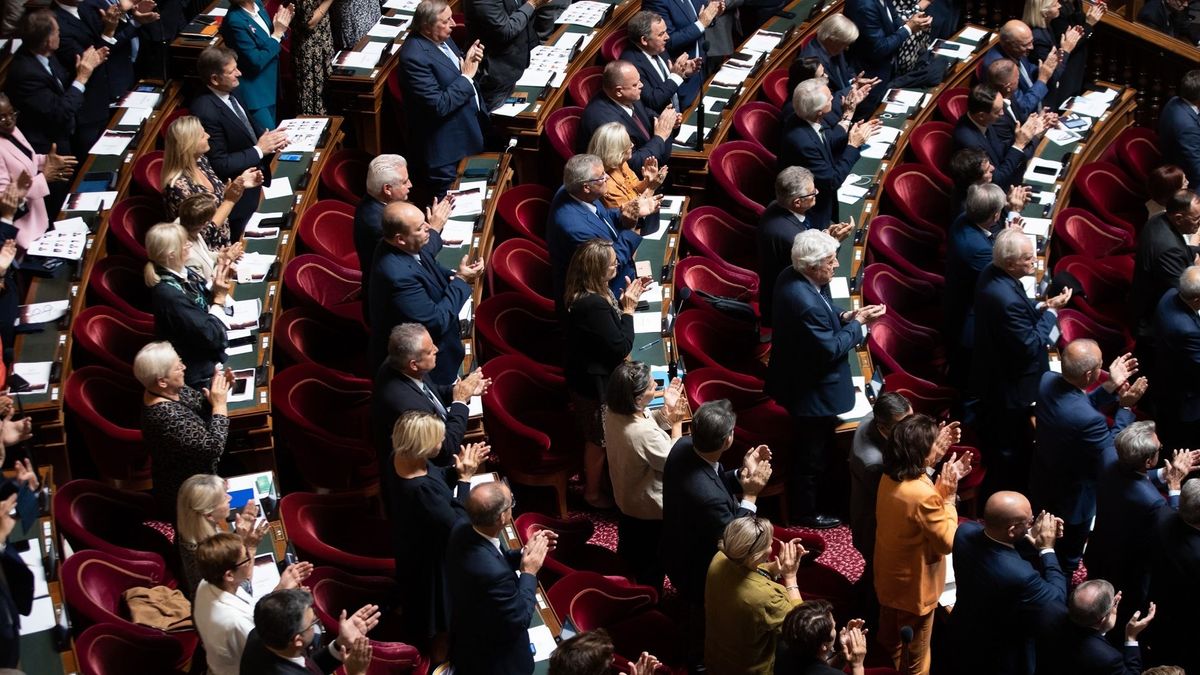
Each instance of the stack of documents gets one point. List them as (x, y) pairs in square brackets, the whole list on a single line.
[(60, 244), (877, 145), (254, 267), (584, 13)]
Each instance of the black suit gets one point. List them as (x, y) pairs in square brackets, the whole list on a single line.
[(601, 110), (828, 155), (16, 598), (1175, 588), (368, 230), (1162, 256), (231, 150), (490, 607), (110, 80), (777, 229), (658, 91), (506, 29), (258, 660), (1008, 161), (395, 394), (1084, 651), (48, 104)]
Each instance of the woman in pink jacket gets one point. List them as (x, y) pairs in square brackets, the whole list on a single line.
[(17, 156)]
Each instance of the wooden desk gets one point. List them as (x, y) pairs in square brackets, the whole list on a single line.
[(39, 650), (186, 46)]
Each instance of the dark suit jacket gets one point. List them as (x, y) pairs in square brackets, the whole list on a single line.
[(680, 17), (808, 372), (657, 92), (112, 78), (199, 337), (880, 35), (1029, 94), (48, 104), (444, 121), (1176, 591), (490, 607), (1179, 137), (1011, 336), (1074, 444), (1086, 652), (257, 659), (258, 56), (1156, 14), (1177, 367), (601, 110), (16, 598), (1003, 603), (969, 253), (395, 394), (231, 148), (506, 29), (777, 229), (571, 223), (601, 337), (403, 290), (1162, 256), (1009, 162), (368, 230), (830, 162), (698, 502)]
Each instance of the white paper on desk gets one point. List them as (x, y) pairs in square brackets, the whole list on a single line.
[(75, 224), (41, 312), (658, 231), (33, 560), (647, 322), (475, 407), (1046, 196), (511, 109), (457, 233), (59, 244), (218, 11), (244, 380), (714, 104), (542, 641), (245, 314), (36, 373), (671, 205), (138, 99), (245, 348), (467, 203), (653, 293), (875, 149), (1043, 171), (254, 267), (1083, 106), (584, 13), (257, 218), (862, 405), (567, 40), (90, 201), (839, 288), (897, 108), (134, 116), (261, 232), (304, 134), (375, 48), (686, 136), (112, 142), (905, 96), (1037, 226), (762, 41), (973, 34), (730, 77), (851, 194), (349, 59), (385, 30), (534, 78), (467, 311), (1062, 136), (40, 618), (1105, 96), (266, 572), (279, 187), (406, 6)]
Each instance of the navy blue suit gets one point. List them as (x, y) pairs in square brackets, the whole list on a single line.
[(368, 230), (403, 290), (1003, 603), (601, 110), (1176, 591), (829, 161), (108, 82), (1179, 138), (881, 33), (571, 223), (777, 229), (1177, 365), (1084, 651), (1009, 162), (48, 104), (969, 253), (1074, 444), (441, 109), (680, 17), (490, 606), (231, 150), (1030, 91), (258, 59), (1156, 14), (657, 92)]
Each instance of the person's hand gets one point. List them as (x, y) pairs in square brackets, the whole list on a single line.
[(232, 253), (1137, 623), (8, 250), (1094, 14), (648, 203), (633, 293), (58, 167), (756, 470), (919, 22), (110, 18), (249, 529), (1178, 468), (1018, 197), (664, 124), (1129, 395), (1045, 531), (675, 401), (684, 66), (645, 665), (533, 555), (1028, 131), (710, 12), (840, 231), (437, 215), (357, 658), (281, 20), (868, 313), (234, 189), (7, 522), (473, 384), (948, 435), (472, 59), (221, 281), (26, 474), (10, 201), (470, 458), (854, 643), (859, 133), (272, 140), (14, 431), (1047, 66), (1059, 301), (469, 271), (251, 178), (87, 62), (790, 553), (653, 174), (1070, 38), (217, 391), (294, 575), (145, 14), (1121, 369), (357, 625), (947, 480)]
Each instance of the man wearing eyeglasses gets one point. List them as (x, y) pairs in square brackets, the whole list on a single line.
[(286, 638)]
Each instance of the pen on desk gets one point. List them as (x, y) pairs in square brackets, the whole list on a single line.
[(649, 345)]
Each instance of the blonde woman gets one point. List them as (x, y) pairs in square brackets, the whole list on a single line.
[(747, 597), (611, 143), (186, 171), (423, 509), (1066, 28), (185, 305), (202, 510)]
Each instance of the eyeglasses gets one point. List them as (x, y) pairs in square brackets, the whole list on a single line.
[(602, 178), (814, 193), (314, 623), (242, 562)]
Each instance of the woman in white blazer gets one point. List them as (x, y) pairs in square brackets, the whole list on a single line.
[(17, 156)]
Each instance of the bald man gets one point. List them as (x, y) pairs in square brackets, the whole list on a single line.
[(620, 101), (1084, 649), (1074, 440), (408, 285), (1004, 602), (1034, 79), (490, 606)]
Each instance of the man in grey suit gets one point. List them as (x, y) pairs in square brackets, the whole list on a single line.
[(506, 28)]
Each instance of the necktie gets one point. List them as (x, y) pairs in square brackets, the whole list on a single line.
[(1008, 109), (241, 115), (607, 224), (640, 126), (666, 74), (441, 409), (445, 49), (1024, 74), (691, 12), (888, 11)]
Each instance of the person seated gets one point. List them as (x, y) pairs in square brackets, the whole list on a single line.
[(203, 214), (188, 309), (186, 171), (202, 510), (1092, 613), (1170, 17), (184, 429), (664, 82), (812, 645), (611, 143), (1163, 182), (223, 610), (17, 160), (591, 653), (619, 100), (1035, 80), (285, 630), (977, 129)]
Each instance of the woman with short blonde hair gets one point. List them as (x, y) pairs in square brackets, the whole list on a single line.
[(201, 510), (611, 143)]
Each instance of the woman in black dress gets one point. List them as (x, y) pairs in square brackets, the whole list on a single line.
[(423, 510), (600, 335), (1062, 24)]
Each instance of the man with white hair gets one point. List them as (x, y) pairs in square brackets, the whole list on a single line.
[(1016, 44), (829, 152), (1012, 333), (809, 373)]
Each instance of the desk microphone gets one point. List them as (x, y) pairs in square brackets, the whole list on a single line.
[(512, 143), (906, 636)]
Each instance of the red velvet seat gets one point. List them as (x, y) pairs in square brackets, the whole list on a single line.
[(1137, 148), (1075, 325), (713, 233), (916, 300), (920, 198), (94, 515), (339, 530), (344, 175), (715, 276), (613, 45), (899, 350), (110, 648), (562, 126), (147, 174), (759, 123), (92, 584), (117, 281), (320, 414), (775, 89), (315, 281), (307, 336), (572, 552), (104, 336), (912, 251), (932, 144), (327, 229), (625, 609), (335, 590), (1113, 196), (512, 323), (1104, 299), (170, 119), (705, 338), (816, 580), (743, 174), (952, 104), (584, 84), (928, 398), (532, 431), (129, 221), (523, 210), (396, 658), (1079, 231), (106, 408), (522, 266)]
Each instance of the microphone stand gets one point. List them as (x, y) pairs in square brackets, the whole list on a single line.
[(906, 636)]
